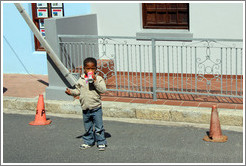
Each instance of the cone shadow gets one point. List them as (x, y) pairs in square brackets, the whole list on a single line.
[(43, 82), (4, 89)]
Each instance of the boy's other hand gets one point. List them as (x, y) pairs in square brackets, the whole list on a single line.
[(68, 91), (94, 77)]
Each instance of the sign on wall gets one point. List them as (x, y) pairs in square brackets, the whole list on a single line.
[(41, 4), (57, 12), (42, 32), (42, 13), (41, 23), (56, 4)]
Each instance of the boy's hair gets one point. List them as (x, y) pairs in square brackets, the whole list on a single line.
[(90, 59)]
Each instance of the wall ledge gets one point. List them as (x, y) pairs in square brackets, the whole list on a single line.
[(165, 34)]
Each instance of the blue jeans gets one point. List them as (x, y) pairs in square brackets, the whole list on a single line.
[(93, 118)]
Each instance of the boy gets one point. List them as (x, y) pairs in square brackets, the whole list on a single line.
[(90, 99)]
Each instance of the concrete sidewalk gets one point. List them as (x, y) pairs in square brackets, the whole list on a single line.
[(21, 93)]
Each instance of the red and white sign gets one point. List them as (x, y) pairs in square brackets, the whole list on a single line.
[(41, 13), (57, 12), (42, 32)]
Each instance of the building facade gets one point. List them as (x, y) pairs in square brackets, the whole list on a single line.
[(204, 20)]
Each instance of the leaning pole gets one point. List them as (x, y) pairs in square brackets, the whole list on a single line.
[(70, 78)]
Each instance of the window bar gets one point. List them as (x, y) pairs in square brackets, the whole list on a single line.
[(77, 64), (159, 56), (164, 66), (236, 71), (195, 70), (123, 55), (73, 57), (177, 48), (173, 67), (144, 67), (150, 64), (89, 50), (186, 67), (231, 68), (70, 55), (154, 68), (226, 70), (181, 68), (115, 68), (85, 46), (241, 88), (191, 68), (79, 59), (67, 55), (132, 60), (140, 62), (81, 55), (119, 65), (92, 52), (128, 67), (168, 83), (61, 52), (136, 67), (221, 57)]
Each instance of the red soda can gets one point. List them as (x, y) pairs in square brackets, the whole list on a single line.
[(90, 77)]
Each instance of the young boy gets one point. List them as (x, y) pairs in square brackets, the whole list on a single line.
[(90, 99)]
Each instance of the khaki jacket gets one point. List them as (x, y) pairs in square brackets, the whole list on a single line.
[(89, 93)]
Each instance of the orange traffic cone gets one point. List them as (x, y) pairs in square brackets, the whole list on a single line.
[(40, 118), (215, 134)]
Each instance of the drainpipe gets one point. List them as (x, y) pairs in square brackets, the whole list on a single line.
[(70, 78)]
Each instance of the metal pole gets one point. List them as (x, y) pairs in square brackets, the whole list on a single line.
[(70, 78)]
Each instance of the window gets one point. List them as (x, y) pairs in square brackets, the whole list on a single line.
[(165, 15), (41, 11)]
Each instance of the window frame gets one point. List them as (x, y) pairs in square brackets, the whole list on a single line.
[(163, 26), (36, 19)]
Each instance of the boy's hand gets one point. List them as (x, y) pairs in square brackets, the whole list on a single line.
[(68, 91), (94, 77)]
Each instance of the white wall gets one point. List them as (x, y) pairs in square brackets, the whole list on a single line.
[(207, 20), (216, 20), (117, 19)]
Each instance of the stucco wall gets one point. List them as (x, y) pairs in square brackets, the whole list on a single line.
[(207, 20)]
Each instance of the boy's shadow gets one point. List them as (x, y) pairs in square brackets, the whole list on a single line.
[(107, 135)]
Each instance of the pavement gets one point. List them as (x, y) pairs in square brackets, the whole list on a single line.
[(140, 143), (21, 92)]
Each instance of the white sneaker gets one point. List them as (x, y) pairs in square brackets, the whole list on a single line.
[(101, 147), (84, 146)]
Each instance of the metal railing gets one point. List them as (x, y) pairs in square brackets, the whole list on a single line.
[(197, 66)]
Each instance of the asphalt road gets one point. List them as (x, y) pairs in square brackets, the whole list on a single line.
[(127, 143)]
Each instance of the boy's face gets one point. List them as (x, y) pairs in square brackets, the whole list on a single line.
[(90, 67)]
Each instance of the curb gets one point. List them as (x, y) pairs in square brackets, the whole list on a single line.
[(201, 115)]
